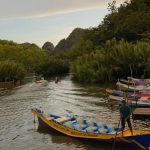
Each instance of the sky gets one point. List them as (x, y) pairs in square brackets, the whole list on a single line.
[(39, 21)]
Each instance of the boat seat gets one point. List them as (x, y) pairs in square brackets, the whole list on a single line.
[(79, 127), (92, 123), (61, 119), (91, 129), (101, 125), (80, 120), (46, 115), (64, 119), (102, 130), (111, 129), (69, 124)]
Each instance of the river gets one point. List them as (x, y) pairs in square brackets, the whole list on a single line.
[(19, 132)]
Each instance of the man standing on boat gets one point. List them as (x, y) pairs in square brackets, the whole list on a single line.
[(125, 113)]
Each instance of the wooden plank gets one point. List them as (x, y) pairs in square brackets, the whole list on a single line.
[(141, 111)]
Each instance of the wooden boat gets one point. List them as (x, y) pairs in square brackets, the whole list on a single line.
[(136, 79), (124, 87), (142, 94), (119, 93), (80, 128), (128, 82), (40, 80), (127, 94), (31, 78), (134, 82), (140, 102)]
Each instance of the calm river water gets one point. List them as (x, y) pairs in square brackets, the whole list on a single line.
[(19, 132)]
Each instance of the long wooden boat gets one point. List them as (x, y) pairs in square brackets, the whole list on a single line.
[(31, 78), (136, 79), (124, 87), (134, 82), (140, 102), (127, 94), (120, 93), (81, 128)]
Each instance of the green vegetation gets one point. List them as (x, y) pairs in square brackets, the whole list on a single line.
[(118, 47), (11, 70), (116, 62), (48, 46), (58, 63), (17, 60)]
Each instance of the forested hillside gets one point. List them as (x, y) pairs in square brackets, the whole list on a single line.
[(74, 37), (18, 60), (117, 47)]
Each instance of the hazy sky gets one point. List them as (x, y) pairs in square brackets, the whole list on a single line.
[(38, 21)]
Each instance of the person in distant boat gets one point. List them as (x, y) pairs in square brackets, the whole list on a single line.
[(125, 113), (57, 80)]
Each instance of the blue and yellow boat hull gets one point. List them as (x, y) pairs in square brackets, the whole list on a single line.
[(79, 128)]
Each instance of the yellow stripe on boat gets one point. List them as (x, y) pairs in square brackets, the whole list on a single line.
[(89, 129), (78, 127), (102, 130), (90, 122), (46, 116), (68, 124), (110, 91), (62, 118), (79, 120), (111, 128)]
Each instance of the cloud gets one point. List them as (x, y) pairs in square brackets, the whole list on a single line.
[(16, 9)]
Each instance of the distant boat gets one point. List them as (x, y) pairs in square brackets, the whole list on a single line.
[(31, 78), (120, 93), (88, 129), (40, 80)]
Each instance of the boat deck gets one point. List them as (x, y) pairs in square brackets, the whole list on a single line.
[(141, 111)]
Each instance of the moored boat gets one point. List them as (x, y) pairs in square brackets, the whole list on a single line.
[(81, 128), (136, 79), (140, 102), (127, 94), (124, 87), (134, 82), (119, 93)]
